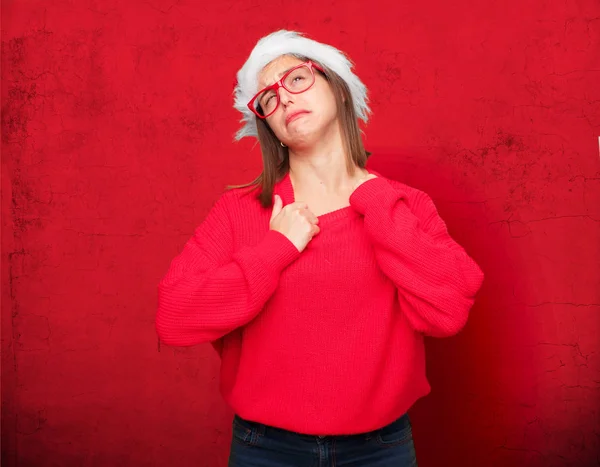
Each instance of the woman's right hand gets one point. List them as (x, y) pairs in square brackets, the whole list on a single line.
[(295, 221)]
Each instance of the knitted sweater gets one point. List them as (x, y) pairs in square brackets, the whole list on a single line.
[(328, 341)]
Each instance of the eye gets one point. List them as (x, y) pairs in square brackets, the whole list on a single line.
[(267, 97)]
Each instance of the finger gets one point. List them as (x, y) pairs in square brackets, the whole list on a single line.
[(298, 205), (277, 206), (310, 217)]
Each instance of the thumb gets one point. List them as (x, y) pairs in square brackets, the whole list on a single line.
[(277, 207)]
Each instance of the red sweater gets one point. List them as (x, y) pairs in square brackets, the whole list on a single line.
[(330, 340)]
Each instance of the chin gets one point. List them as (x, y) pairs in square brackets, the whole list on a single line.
[(305, 141), (302, 133)]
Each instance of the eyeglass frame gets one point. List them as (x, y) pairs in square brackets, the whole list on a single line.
[(279, 84)]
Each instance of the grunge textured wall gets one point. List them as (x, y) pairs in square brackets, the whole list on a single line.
[(117, 126)]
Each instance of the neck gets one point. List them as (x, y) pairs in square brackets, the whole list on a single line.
[(322, 164)]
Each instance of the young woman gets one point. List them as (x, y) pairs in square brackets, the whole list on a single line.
[(317, 282)]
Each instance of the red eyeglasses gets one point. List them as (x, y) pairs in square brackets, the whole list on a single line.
[(297, 80)]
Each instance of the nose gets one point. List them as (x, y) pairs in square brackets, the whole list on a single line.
[(285, 97)]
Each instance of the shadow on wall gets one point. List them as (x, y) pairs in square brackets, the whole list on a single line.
[(478, 375)]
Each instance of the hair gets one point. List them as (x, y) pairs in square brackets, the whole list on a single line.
[(275, 157)]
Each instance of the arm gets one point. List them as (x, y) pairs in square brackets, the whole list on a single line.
[(436, 279), (209, 289)]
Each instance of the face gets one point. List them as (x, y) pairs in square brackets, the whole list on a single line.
[(300, 119)]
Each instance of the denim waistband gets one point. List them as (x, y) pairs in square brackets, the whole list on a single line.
[(263, 429)]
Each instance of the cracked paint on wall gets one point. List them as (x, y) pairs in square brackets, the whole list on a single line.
[(117, 127)]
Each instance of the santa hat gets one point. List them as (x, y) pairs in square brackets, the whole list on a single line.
[(285, 42)]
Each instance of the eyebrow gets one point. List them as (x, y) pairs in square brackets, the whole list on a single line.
[(279, 75), (285, 71)]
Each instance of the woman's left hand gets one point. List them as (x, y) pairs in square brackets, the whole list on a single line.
[(363, 180)]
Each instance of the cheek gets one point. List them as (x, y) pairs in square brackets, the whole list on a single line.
[(326, 101)]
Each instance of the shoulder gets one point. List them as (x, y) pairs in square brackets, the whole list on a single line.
[(238, 200), (399, 186), (416, 199), (241, 195)]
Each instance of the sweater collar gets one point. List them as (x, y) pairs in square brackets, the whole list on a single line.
[(284, 189)]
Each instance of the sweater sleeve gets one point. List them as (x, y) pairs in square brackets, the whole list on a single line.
[(209, 289), (437, 281)]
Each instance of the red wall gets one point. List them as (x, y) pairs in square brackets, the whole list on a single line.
[(117, 125)]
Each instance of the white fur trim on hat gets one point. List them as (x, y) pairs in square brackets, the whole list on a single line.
[(285, 42)]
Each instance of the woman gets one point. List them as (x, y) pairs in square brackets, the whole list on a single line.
[(317, 282)]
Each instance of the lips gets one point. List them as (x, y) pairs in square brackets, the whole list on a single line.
[(294, 115)]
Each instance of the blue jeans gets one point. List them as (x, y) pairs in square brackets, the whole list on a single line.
[(257, 445)]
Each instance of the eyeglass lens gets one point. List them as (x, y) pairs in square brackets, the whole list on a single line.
[(297, 81)]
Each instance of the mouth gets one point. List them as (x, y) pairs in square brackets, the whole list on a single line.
[(295, 115)]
